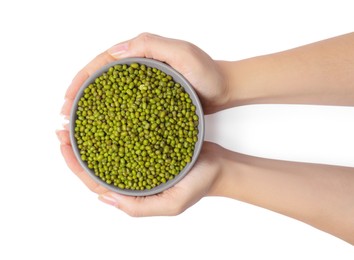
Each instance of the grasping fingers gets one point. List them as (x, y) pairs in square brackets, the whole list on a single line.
[(74, 165), (98, 62), (194, 186)]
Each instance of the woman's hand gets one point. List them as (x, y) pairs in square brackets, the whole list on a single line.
[(205, 74), (198, 183), (195, 185)]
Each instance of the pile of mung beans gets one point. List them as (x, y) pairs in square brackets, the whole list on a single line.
[(135, 127)]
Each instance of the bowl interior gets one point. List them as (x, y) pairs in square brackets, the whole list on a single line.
[(177, 77)]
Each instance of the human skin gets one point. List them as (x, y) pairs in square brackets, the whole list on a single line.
[(318, 73)]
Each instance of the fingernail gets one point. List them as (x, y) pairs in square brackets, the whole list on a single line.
[(108, 199), (118, 49)]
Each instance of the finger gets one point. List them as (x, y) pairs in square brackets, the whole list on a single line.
[(170, 202), (65, 110), (98, 62), (157, 205), (70, 158), (63, 136), (76, 168), (66, 126), (177, 199), (148, 45)]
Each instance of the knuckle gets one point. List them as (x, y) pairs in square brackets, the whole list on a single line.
[(175, 209), (144, 41), (145, 37), (189, 47)]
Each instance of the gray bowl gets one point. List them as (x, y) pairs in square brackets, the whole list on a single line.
[(177, 77)]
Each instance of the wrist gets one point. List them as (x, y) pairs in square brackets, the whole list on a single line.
[(235, 75), (229, 84), (247, 81), (224, 182)]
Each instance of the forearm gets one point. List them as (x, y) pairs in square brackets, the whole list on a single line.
[(319, 195), (318, 73)]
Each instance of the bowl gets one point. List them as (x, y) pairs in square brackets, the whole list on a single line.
[(177, 78)]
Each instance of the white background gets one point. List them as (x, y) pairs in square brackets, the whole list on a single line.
[(47, 213)]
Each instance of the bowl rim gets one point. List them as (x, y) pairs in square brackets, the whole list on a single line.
[(177, 77)]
